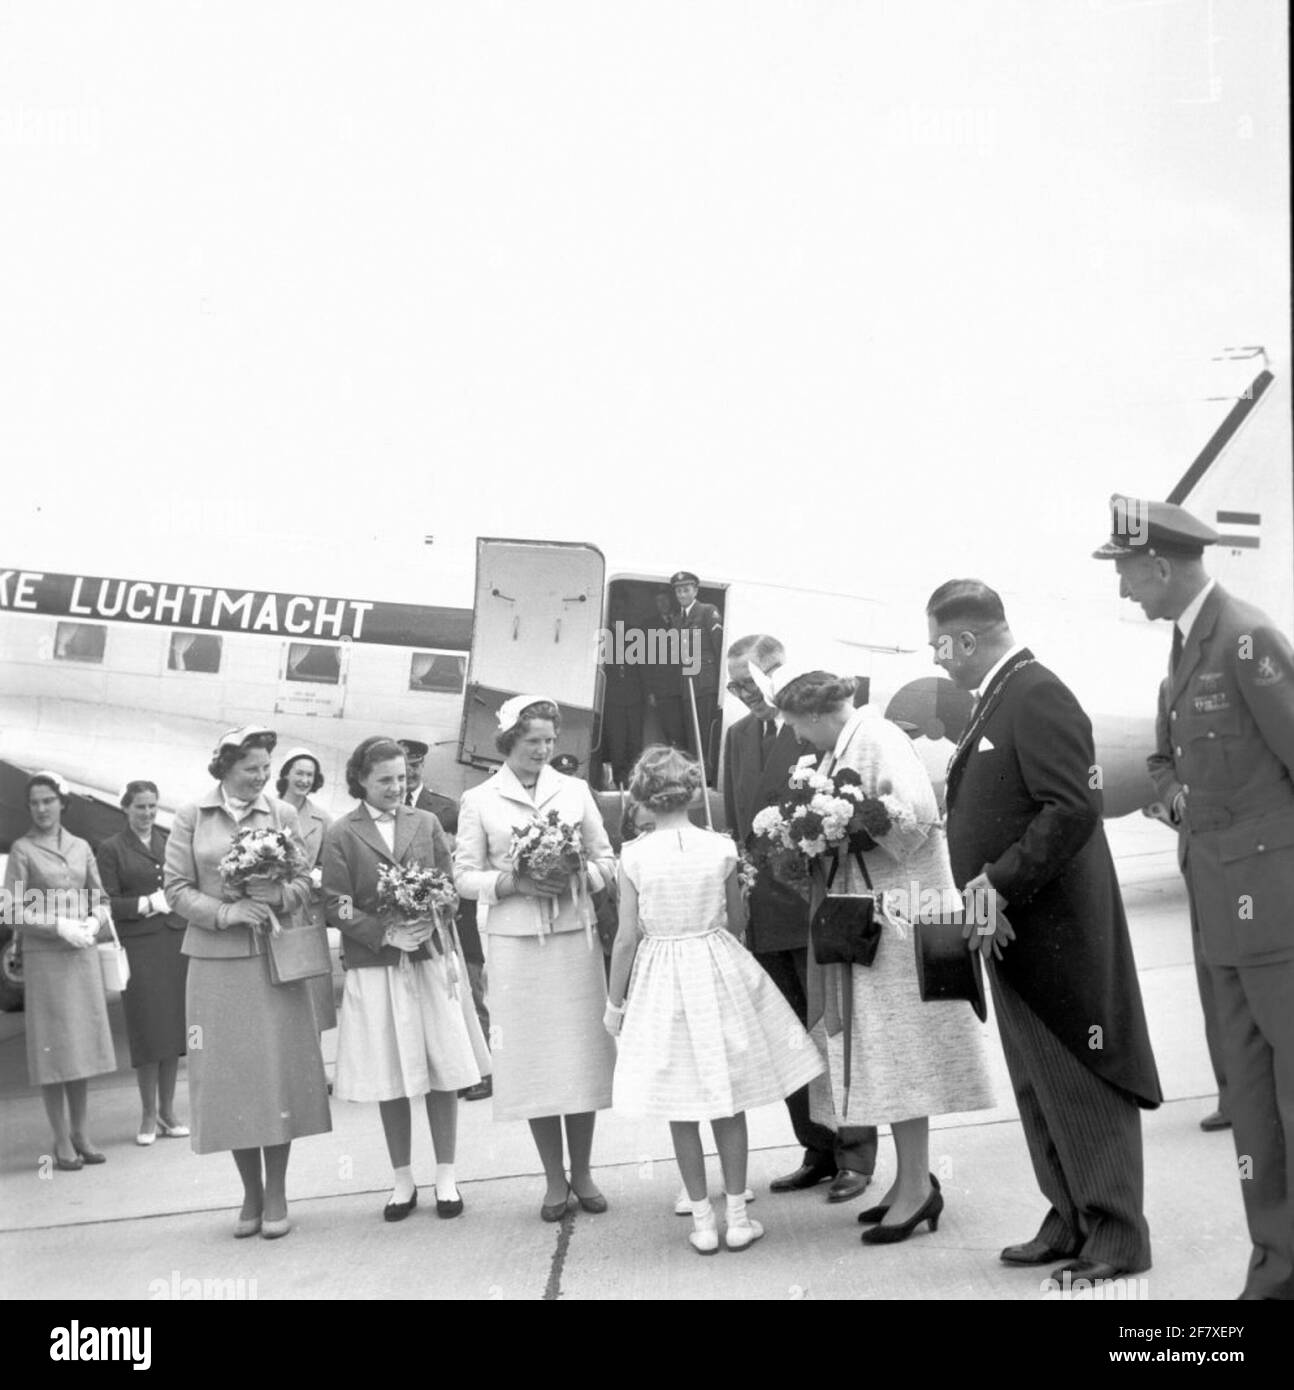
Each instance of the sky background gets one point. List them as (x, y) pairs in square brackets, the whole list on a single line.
[(827, 292)]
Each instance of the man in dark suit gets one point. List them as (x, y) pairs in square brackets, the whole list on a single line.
[(445, 809), (701, 628), (1025, 835), (1225, 771), (758, 756)]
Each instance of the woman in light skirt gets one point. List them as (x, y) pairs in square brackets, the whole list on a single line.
[(53, 882), (256, 1076), (552, 1058), (408, 1024)]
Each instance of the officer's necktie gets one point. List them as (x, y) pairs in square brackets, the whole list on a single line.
[(1177, 649)]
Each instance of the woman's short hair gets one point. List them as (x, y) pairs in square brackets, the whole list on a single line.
[(282, 783), (45, 779), (229, 755), (665, 779), (133, 789), (815, 692), (378, 749), (507, 739)]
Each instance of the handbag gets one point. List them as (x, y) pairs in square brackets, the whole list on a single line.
[(844, 929), (114, 965), (297, 953)]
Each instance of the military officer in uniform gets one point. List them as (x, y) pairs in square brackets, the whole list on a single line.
[(701, 626), (445, 809), (1227, 776)]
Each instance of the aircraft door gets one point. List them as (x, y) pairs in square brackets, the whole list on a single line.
[(537, 620)]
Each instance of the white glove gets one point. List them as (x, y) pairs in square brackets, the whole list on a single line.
[(316, 876), (76, 934), (613, 1018), (159, 903), (146, 908)]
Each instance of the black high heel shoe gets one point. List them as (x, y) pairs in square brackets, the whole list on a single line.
[(930, 1211), (874, 1215)]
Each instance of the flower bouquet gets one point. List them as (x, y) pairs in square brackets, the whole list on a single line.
[(266, 853), (415, 894), (822, 812), (550, 851), (412, 894)]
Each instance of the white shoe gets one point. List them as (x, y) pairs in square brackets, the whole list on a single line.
[(146, 1137), (741, 1234), (704, 1236), (683, 1203)]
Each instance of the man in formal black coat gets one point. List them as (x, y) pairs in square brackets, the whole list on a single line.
[(759, 753), (1025, 835), (701, 628), (445, 809)]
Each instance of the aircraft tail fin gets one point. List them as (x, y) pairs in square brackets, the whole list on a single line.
[(1242, 484)]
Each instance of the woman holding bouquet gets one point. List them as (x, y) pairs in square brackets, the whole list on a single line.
[(408, 1024), (256, 1077), (909, 1059), (532, 847)]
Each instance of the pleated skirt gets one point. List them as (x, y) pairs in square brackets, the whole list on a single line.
[(407, 1030), (552, 1055), (256, 1075), (706, 1034), (154, 998), (66, 1017)]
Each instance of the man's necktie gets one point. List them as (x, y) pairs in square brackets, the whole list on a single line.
[(409, 798), (1177, 649), (769, 739)]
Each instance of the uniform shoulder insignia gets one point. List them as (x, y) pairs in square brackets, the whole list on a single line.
[(1267, 672)]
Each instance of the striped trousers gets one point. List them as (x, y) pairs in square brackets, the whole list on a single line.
[(1084, 1138)]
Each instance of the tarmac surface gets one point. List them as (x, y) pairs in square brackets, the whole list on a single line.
[(157, 1222)]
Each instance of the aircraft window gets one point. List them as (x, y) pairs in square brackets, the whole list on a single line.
[(194, 651), (308, 661), (79, 641), (437, 671)]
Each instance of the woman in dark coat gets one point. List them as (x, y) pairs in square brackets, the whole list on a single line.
[(130, 864)]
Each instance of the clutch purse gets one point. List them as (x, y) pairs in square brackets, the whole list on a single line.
[(113, 963), (844, 929), (298, 953)]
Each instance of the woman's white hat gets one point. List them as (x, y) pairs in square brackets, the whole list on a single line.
[(772, 683), (60, 786), (293, 754), (510, 710), (237, 737)]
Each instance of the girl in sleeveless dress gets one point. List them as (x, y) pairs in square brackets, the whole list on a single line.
[(704, 1033)]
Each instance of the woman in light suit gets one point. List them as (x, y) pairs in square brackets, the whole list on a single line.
[(552, 1058), (909, 1058), (408, 1024), (299, 778), (256, 1076)]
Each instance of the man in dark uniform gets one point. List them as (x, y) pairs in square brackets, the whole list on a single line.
[(1025, 835), (701, 627), (1160, 764), (1226, 774), (622, 700), (445, 809), (661, 679), (759, 753)]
